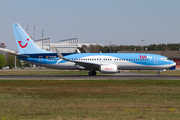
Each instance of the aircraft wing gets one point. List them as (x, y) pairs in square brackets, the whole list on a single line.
[(86, 65)]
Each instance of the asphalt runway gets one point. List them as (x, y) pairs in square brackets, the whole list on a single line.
[(86, 77)]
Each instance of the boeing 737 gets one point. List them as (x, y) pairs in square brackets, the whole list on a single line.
[(103, 62)]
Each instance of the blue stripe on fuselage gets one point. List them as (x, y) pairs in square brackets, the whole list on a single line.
[(45, 58), (44, 55)]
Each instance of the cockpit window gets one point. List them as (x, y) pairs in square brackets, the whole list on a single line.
[(165, 59)]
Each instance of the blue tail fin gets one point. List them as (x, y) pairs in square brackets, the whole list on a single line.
[(24, 42)]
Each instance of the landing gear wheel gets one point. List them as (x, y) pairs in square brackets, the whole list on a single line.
[(158, 73), (92, 73)]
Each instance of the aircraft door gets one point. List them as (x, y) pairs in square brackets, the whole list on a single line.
[(40, 59), (155, 60)]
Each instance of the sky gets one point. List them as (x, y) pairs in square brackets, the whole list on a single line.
[(119, 22)]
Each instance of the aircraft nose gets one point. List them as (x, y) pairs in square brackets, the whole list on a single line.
[(173, 65)]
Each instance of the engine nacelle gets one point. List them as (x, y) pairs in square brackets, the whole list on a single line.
[(109, 69)]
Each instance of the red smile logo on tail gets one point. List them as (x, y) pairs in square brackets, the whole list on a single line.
[(24, 45)]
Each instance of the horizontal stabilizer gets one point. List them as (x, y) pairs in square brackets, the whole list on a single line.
[(3, 50), (15, 54)]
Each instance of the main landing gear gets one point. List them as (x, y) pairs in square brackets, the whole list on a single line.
[(92, 73)]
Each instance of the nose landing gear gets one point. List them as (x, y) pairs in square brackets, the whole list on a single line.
[(158, 73)]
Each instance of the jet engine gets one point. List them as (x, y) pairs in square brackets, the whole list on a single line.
[(108, 69)]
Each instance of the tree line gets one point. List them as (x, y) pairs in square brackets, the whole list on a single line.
[(114, 48), (9, 60)]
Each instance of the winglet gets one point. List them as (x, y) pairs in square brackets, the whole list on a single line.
[(59, 54), (78, 51)]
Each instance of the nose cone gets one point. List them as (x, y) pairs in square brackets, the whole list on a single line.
[(172, 65)]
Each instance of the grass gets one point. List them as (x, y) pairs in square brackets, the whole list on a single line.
[(90, 100)]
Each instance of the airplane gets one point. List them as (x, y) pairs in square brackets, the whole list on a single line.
[(103, 62)]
